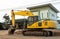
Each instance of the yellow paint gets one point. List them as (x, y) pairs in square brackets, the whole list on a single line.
[(50, 24)]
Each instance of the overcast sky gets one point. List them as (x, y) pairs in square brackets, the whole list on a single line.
[(7, 5)]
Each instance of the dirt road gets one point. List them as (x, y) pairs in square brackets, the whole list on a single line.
[(4, 35)]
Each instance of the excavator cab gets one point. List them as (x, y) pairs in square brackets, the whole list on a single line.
[(32, 19)]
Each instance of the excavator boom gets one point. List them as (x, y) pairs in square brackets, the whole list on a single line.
[(22, 13)]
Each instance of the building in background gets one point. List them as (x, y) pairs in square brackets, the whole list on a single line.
[(45, 11), (58, 21)]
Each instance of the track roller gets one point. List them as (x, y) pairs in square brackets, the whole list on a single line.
[(50, 33), (47, 33)]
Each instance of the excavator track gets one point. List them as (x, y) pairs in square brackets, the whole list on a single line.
[(37, 33)]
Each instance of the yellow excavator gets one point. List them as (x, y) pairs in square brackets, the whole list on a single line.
[(32, 23)]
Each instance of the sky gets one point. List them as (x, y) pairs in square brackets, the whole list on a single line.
[(7, 5)]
